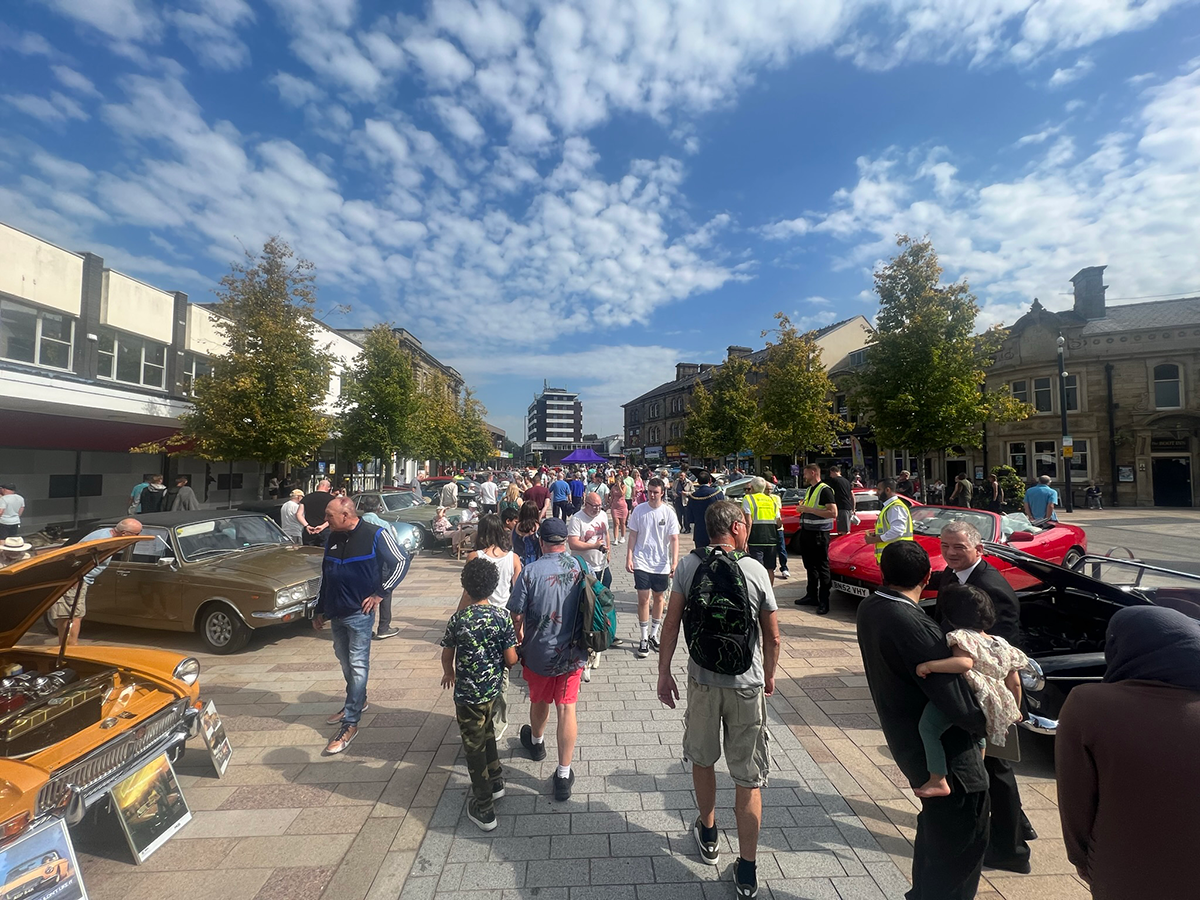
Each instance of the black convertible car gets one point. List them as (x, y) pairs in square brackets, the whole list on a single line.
[(1064, 619)]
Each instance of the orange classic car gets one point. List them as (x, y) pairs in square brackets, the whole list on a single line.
[(74, 724)]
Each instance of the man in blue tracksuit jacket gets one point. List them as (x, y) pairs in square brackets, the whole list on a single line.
[(362, 563)]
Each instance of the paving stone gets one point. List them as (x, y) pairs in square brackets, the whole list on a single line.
[(492, 875), (556, 873), (810, 864), (803, 889), (625, 870), (597, 823), (638, 843)]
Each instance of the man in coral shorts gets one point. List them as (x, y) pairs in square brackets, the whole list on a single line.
[(545, 606)]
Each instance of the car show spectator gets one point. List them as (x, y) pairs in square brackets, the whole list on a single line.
[(1126, 761), (185, 498), (69, 610), (705, 494), (14, 550), (488, 495), (651, 555), (1095, 496), (312, 514), (843, 496), (153, 498), (1041, 501), (289, 516), (818, 511), (12, 507)]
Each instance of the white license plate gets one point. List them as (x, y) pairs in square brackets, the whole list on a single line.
[(851, 589)]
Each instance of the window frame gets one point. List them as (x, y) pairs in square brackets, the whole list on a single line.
[(1041, 452), (39, 336), (1073, 387), (1011, 453), (1047, 389), (1022, 393), (1155, 381), (115, 355)]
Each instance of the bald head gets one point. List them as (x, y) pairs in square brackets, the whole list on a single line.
[(341, 514), (128, 526)]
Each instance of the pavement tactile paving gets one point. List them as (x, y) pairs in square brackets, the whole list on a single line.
[(386, 819)]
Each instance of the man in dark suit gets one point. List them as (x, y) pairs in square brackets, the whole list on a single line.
[(895, 636), (962, 549)]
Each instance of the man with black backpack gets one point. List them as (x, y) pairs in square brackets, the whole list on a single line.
[(725, 604)]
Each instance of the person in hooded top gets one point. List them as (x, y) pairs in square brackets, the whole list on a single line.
[(1126, 760)]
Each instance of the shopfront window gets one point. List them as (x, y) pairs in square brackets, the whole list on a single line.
[(132, 360), (1045, 458), (1079, 459), (1018, 458), (34, 336)]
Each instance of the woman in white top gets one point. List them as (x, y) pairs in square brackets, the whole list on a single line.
[(288, 520), (495, 545)]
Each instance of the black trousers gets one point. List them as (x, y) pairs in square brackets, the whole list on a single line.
[(563, 509), (1007, 842), (952, 836), (814, 551), (385, 613)]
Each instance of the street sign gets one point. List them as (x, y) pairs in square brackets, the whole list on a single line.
[(1068, 441), (795, 470), (1068, 451)]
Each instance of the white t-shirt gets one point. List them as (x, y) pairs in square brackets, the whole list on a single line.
[(10, 509), (654, 527), (588, 529), (503, 591), (487, 493), (287, 517)]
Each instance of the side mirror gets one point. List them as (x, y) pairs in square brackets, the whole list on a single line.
[(1020, 537), (166, 562)]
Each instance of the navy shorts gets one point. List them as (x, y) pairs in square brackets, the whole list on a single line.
[(651, 581), (768, 556)]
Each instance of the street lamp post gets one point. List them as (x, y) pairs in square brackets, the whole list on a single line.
[(1062, 406)]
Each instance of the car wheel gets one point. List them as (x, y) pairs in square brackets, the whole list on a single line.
[(1074, 555), (48, 623), (222, 630)]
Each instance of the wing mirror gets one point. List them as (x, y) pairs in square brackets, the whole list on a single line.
[(166, 562), (1020, 537)]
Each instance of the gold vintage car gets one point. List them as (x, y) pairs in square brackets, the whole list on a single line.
[(222, 573), (72, 727), (32, 877)]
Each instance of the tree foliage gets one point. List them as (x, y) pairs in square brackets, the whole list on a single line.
[(698, 438), (474, 436), (438, 431), (378, 405), (921, 388), (793, 395), (734, 420), (264, 399)]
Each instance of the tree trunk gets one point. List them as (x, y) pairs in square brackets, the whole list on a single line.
[(258, 488)]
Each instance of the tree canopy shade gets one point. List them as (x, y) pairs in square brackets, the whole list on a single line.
[(264, 399), (793, 395), (378, 404), (921, 389)]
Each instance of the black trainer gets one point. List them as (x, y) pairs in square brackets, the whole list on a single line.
[(806, 601), (537, 752), (745, 885), (485, 820), (562, 786), (497, 788), (710, 852), (643, 649), (654, 644)]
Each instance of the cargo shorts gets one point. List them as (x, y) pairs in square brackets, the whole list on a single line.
[(62, 606), (740, 714)]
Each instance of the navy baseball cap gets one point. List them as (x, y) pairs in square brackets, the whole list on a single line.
[(553, 531)]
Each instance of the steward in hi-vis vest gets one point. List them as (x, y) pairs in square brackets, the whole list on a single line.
[(761, 513), (818, 513), (895, 521)]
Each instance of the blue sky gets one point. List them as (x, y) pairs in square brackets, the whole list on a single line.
[(589, 192)]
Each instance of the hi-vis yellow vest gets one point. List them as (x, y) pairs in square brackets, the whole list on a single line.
[(812, 500), (881, 525), (764, 532)]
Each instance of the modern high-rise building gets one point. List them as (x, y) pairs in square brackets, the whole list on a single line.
[(555, 415)]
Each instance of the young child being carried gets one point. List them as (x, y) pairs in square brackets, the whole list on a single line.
[(478, 645), (990, 665)]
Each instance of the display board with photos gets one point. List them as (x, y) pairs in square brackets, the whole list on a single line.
[(41, 865), (150, 807), (219, 748)]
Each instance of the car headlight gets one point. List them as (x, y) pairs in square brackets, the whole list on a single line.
[(187, 671), (289, 595), (1032, 678)]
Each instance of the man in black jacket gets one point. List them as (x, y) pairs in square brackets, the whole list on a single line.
[(843, 496), (895, 636), (962, 549)]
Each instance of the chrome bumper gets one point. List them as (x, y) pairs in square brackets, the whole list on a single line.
[(275, 615), (1040, 725)]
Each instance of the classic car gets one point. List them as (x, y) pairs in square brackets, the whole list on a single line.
[(73, 727), (1065, 613), (852, 558), (407, 534), (467, 490), (34, 876), (406, 508), (222, 573)]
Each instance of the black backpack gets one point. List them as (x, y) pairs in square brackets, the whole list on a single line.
[(719, 623)]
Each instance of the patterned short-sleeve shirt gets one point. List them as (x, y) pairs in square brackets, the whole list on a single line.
[(480, 634)]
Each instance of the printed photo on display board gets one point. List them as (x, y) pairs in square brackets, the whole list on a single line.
[(41, 865), (215, 739), (150, 806)]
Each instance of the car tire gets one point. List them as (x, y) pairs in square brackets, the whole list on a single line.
[(221, 629), (1073, 556)]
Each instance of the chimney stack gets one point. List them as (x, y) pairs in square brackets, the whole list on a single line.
[(686, 370), (1089, 292), (736, 352)]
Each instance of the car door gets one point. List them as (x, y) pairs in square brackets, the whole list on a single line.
[(144, 591)]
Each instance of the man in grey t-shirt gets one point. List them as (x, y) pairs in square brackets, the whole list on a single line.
[(733, 704)]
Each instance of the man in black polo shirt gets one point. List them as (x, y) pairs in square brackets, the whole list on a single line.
[(843, 496), (895, 636)]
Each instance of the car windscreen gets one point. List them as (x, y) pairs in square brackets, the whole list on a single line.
[(226, 534), (24, 868), (866, 503), (1013, 522), (398, 501), (931, 520)]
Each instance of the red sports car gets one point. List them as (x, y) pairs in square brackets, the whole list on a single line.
[(852, 559), (866, 507)]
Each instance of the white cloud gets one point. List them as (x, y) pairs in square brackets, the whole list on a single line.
[(295, 91), (210, 28), (459, 121), (1127, 202), (320, 38), (28, 43), (440, 61), (124, 21), (75, 81), (1039, 137), (1063, 77), (785, 229), (55, 109)]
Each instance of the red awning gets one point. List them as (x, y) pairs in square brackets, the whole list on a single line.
[(40, 431)]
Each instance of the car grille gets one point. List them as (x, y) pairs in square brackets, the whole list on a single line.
[(110, 757), (312, 586)]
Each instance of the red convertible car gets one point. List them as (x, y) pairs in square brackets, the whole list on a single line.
[(852, 559), (866, 506)]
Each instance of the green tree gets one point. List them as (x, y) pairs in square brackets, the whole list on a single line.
[(736, 422), (921, 388), (264, 400), (793, 395), (439, 425), (1012, 485), (377, 408), (475, 438), (698, 432)]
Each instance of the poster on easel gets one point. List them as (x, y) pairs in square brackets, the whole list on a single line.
[(41, 864), (213, 731), (150, 807)]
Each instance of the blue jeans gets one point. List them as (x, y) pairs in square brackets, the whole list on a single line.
[(782, 551), (352, 644)]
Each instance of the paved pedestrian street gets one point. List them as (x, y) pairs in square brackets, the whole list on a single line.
[(387, 818)]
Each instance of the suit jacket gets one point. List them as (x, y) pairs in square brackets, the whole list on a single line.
[(1004, 598)]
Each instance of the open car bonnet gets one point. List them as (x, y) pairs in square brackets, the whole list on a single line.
[(30, 587)]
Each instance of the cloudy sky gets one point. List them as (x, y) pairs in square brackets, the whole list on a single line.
[(590, 191)]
